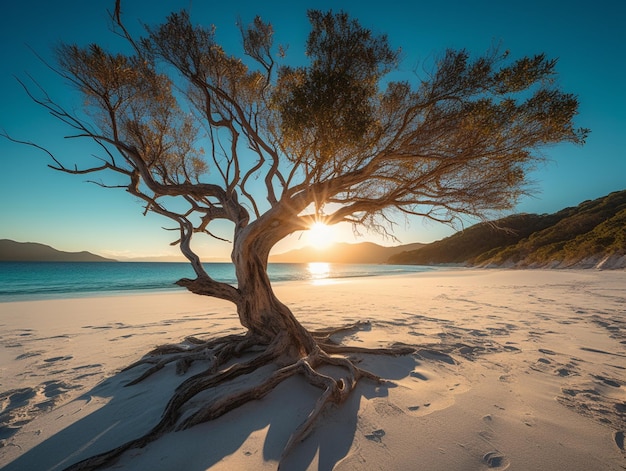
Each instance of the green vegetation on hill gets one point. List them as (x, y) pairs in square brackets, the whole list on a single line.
[(584, 235), (474, 241)]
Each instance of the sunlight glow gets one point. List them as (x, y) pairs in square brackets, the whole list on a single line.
[(320, 235), (319, 270)]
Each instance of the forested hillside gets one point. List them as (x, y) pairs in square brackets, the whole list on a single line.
[(592, 234)]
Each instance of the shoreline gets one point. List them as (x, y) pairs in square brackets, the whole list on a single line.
[(73, 281), (52, 296), (534, 376)]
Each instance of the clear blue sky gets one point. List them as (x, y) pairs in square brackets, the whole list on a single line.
[(40, 205)]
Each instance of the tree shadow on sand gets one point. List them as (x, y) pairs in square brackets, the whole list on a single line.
[(113, 414)]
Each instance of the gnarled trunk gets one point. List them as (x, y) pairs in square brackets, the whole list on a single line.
[(258, 308), (274, 337)]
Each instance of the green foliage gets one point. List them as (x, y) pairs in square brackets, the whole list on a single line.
[(606, 238), (558, 242), (473, 242), (332, 103)]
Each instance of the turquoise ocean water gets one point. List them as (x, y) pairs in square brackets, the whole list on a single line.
[(22, 281)]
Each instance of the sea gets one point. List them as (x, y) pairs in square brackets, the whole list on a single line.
[(25, 281)]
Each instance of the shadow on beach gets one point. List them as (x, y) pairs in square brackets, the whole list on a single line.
[(111, 414)]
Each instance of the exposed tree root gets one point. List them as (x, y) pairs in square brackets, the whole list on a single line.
[(220, 354), (217, 352), (324, 334)]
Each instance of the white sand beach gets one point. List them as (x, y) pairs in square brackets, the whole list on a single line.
[(517, 369)]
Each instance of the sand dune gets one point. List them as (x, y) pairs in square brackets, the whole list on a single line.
[(514, 369)]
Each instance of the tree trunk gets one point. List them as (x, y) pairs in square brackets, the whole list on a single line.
[(258, 308), (285, 344)]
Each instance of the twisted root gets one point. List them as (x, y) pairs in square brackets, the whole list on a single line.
[(219, 352)]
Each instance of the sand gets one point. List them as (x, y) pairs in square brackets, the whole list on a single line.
[(518, 369)]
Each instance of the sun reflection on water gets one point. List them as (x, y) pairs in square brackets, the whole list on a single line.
[(319, 271)]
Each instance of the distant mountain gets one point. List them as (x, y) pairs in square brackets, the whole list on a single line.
[(159, 259), (592, 234), (11, 251), (364, 252)]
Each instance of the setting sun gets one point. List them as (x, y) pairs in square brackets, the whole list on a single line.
[(320, 235)]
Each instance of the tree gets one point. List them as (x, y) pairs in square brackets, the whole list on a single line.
[(332, 141)]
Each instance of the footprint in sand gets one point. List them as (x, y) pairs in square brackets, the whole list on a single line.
[(619, 439), (565, 372), (496, 460), (55, 359), (16, 397), (376, 435), (418, 375), (542, 365), (11, 402), (607, 381), (545, 351), (20, 406), (27, 355)]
